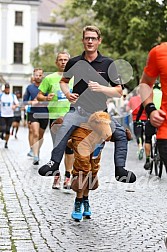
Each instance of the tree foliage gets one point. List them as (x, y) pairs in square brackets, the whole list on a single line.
[(43, 56), (130, 28), (76, 19)]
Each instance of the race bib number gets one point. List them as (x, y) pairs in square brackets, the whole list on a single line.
[(6, 104), (61, 96)]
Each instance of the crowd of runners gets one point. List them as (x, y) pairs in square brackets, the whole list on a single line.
[(65, 101)]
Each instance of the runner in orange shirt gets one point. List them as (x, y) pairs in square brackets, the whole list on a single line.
[(156, 66)]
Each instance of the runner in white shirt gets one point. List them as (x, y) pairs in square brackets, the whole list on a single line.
[(8, 104)]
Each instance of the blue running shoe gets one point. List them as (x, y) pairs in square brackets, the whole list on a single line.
[(87, 212), (77, 213), (30, 154), (36, 160)]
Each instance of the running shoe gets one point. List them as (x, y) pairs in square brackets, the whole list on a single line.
[(77, 213), (6, 145), (87, 212), (124, 176), (140, 154), (147, 165), (49, 169), (67, 183), (56, 182), (36, 160), (30, 153)]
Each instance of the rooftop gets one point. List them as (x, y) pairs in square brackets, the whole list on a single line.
[(45, 11)]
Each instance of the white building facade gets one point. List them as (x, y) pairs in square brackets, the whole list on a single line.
[(18, 29), (21, 32)]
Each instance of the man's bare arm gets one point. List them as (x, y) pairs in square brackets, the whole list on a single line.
[(42, 97), (157, 117), (146, 89), (109, 91), (72, 97)]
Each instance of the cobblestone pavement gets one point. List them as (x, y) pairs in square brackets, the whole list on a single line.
[(34, 217)]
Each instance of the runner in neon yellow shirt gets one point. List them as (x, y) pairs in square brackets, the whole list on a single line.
[(59, 105)]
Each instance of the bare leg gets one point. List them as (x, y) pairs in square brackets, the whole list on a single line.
[(147, 149), (35, 132), (30, 134), (68, 162)]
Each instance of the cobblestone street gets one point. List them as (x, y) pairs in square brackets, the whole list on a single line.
[(34, 217)]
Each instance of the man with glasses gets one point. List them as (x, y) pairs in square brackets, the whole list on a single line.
[(88, 96)]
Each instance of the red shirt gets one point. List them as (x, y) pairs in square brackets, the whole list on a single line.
[(134, 103), (157, 66)]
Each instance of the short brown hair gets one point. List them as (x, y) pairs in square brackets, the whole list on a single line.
[(92, 28), (37, 69), (63, 52)]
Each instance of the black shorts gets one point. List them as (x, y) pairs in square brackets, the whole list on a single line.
[(7, 123), (17, 119), (28, 117), (2, 125), (43, 122), (149, 132), (138, 128)]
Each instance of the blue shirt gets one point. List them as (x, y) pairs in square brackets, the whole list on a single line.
[(30, 94)]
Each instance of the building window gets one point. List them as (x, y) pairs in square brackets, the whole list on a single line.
[(18, 53), (18, 18)]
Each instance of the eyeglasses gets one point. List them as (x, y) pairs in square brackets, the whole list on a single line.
[(91, 38)]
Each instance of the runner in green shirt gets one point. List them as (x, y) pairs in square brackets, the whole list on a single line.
[(58, 106)]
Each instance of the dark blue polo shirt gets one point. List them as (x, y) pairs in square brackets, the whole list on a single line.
[(100, 70)]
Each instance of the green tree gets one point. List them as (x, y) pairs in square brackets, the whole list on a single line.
[(43, 56), (75, 20), (129, 27)]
